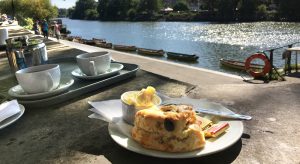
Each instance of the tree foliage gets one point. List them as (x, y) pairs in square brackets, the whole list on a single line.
[(37, 9), (248, 10), (85, 9), (289, 10), (221, 10), (180, 6), (122, 9)]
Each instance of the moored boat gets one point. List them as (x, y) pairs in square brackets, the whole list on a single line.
[(184, 57), (74, 38), (88, 42), (99, 40), (104, 45), (124, 47), (145, 51), (239, 64)]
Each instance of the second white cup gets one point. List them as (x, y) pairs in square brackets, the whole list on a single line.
[(94, 63)]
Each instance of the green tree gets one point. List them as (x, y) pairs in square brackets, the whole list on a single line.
[(289, 10), (91, 14), (262, 12), (180, 6), (71, 11), (248, 10), (227, 9), (81, 8), (117, 9), (150, 6), (63, 12), (37, 9)]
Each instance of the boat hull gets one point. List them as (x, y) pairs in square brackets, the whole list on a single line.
[(239, 65), (124, 48), (183, 57), (104, 45), (150, 52)]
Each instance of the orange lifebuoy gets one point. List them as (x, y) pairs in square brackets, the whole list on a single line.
[(266, 68)]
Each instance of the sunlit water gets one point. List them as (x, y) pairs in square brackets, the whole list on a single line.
[(211, 41)]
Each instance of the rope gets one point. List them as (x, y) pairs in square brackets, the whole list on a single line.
[(281, 47), (275, 68)]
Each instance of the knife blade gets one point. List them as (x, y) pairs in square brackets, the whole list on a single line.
[(223, 114)]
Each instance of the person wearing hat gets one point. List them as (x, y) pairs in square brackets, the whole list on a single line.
[(56, 30)]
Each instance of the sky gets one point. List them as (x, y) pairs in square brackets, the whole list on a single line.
[(63, 3)]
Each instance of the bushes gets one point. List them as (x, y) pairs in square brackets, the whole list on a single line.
[(180, 16), (28, 23)]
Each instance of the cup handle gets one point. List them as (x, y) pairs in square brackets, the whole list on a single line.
[(92, 68), (49, 80)]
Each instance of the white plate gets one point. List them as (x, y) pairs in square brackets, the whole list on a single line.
[(19, 93), (235, 131), (13, 118), (114, 69)]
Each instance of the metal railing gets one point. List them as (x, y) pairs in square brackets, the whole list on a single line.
[(271, 53)]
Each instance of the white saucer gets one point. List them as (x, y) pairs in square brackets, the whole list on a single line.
[(19, 93), (13, 118), (114, 69)]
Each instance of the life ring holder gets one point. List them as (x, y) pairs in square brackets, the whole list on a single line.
[(266, 69)]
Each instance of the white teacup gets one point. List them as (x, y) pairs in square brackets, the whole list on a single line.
[(38, 79), (94, 63)]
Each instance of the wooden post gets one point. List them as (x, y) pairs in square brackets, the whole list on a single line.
[(289, 60), (271, 62)]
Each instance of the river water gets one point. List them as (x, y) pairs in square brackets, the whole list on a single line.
[(210, 41)]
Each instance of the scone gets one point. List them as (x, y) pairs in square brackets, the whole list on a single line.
[(172, 128)]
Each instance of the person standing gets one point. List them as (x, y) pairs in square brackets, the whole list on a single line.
[(45, 29), (36, 28), (56, 30)]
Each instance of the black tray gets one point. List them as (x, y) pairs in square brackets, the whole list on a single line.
[(80, 86)]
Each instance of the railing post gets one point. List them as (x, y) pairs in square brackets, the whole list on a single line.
[(271, 62), (289, 60)]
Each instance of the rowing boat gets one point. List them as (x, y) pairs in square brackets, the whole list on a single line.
[(73, 38), (124, 47), (99, 40), (104, 45), (239, 64), (145, 51), (180, 56), (88, 42)]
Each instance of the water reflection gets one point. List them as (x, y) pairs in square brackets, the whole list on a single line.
[(211, 41)]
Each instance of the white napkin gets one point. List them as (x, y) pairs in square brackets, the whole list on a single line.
[(120, 124), (111, 111), (8, 109)]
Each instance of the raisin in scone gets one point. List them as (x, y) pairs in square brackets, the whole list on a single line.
[(171, 128)]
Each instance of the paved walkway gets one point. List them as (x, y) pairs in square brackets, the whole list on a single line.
[(196, 76)]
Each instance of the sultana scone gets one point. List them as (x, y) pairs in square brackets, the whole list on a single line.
[(172, 128)]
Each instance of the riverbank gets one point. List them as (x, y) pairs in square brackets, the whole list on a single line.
[(209, 41)]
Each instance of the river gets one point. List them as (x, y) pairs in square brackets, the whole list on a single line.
[(210, 41)]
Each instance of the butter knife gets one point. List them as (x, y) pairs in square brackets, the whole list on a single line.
[(223, 114)]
